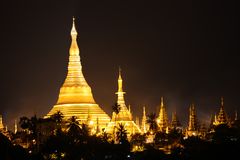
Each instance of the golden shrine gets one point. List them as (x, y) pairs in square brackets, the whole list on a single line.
[(75, 97)]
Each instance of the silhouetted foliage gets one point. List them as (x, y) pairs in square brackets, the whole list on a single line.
[(121, 134), (116, 108), (151, 120)]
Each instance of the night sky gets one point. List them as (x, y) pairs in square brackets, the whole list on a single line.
[(184, 51)]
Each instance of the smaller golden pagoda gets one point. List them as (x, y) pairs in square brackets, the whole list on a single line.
[(162, 119), (124, 116), (144, 125), (221, 118), (192, 129), (1, 123)]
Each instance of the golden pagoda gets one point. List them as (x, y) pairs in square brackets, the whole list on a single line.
[(222, 116), (192, 129), (124, 116), (1, 123), (75, 97), (162, 119), (144, 125)]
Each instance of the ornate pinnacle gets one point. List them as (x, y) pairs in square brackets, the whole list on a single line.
[(73, 31), (222, 101), (161, 101)]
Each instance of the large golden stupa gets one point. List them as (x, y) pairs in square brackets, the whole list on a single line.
[(75, 98)]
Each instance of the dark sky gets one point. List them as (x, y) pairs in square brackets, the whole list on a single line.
[(182, 50)]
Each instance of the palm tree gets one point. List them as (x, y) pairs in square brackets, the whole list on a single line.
[(116, 109), (151, 120), (121, 134), (105, 137), (73, 128), (57, 117)]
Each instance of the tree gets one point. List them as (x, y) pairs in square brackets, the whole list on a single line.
[(105, 137), (73, 129), (116, 108), (121, 134), (151, 120), (57, 117)]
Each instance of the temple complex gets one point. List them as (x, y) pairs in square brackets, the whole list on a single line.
[(75, 97)]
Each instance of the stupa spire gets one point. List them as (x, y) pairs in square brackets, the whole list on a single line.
[(120, 92), (1, 122), (162, 118), (161, 101), (192, 124), (75, 88), (73, 31), (144, 121), (222, 116), (15, 126)]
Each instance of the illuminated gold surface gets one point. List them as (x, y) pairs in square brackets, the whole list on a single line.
[(75, 97), (222, 116), (144, 126), (124, 116), (192, 124), (162, 119), (1, 123)]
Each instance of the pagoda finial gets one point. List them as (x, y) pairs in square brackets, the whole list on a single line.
[(15, 126), (222, 101), (236, 115), (161, 101), (120, 80), (144, 111), (73, 31), (119, 73)]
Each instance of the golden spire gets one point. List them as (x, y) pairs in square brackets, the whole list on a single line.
[(144, 111), (162, 118), (161, 101), (15, 126), (120, 92), (222, 101), (119, 80), (1, 122), (192, 125), (144, 121), (73, 31), (124, 113), (75, 88), (222, 116)]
